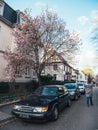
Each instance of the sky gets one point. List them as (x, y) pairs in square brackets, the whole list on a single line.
[(78, 15)]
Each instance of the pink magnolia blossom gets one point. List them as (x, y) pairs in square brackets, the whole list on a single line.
[(34, 38)]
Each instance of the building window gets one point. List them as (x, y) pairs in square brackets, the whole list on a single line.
[(68, 69), (80, 76), (18, 71), (43, 71), (55, 67), (22, 20), (54, 77), (27, 73), (65, 68), (34, 72), (1, 8)]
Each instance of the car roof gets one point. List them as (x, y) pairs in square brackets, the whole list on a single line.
[(68, 83), (80, 83), (53, 86)]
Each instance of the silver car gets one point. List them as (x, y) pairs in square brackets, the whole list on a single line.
[(73, 90), (81, 87)]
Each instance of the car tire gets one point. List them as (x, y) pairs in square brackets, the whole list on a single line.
[(76, 97), (55, 114), (79, 95), (69, 103), (84, 92)]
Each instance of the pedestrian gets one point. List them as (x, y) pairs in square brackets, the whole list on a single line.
[(89, 93), (96, 80)]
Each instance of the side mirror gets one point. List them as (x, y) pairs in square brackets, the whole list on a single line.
[(60, 92)]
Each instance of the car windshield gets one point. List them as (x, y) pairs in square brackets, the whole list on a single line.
[(79, 84), (46, 91), (50, 91), (70, 86)]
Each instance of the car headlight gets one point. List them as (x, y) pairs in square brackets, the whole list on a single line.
[(40, 109), (16, 107)]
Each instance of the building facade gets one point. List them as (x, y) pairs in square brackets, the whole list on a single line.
[(58, 67), (82, 77), (8, 18)]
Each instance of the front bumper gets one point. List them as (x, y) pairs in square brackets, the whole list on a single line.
[(82, 90), (72, 96), (33, 116)]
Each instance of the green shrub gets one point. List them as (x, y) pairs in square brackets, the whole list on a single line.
[(4, 87), (31, 86), (46, 79)]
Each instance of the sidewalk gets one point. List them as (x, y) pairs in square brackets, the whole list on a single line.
[(6, 118)]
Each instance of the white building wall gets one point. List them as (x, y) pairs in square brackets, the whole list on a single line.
[(59, 72), (5, 41), (5, 36), (82, 77)]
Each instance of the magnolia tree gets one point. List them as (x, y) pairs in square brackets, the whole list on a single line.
[(33, 40)]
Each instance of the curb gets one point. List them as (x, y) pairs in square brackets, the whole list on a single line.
[(8, 103), (6, 118), (6, 121)]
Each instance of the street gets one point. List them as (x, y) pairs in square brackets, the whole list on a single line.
[(77, 117)]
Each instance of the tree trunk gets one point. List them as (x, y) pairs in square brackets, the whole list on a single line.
[(12, 87), (39, 79)]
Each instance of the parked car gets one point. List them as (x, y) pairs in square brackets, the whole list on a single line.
[(73, 90), (44, 104), (81, 87)]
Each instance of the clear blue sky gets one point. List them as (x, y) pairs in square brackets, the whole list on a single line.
[(69, 10), (77, 14)]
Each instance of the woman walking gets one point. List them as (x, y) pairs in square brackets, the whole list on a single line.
[(89, 93)]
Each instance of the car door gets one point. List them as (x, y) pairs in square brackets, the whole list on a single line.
[(78, 91), (63, 95), (67, 95)]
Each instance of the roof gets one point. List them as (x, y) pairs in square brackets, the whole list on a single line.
[(60, 59), (2, 52)]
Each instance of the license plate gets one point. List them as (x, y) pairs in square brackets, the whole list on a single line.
[(24, 116)]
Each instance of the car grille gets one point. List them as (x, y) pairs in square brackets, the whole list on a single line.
[(26, 109)]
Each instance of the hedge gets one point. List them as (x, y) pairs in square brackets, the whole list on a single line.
[(4, 87)]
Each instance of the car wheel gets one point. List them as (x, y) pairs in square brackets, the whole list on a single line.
[(76, 97), (84, 92), (55, 114), (69, 103), (79, 95)]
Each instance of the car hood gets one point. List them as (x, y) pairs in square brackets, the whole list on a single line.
[(81, 86), (37, 100)]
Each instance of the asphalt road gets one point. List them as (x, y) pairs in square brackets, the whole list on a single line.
[(77, 117)]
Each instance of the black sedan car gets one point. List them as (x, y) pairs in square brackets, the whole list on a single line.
[(73, 90), (46, 103)]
